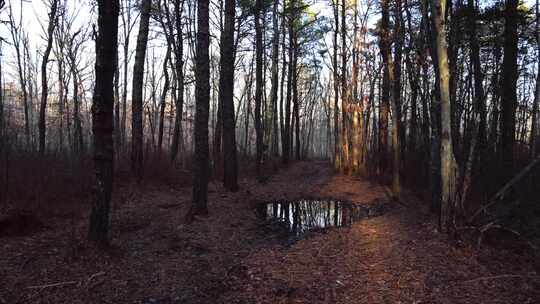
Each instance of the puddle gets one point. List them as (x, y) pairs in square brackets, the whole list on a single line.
[(302, 216)]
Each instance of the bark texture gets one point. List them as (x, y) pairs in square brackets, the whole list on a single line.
[(137, 94), (226, 94), (102, 118), (202, 98)]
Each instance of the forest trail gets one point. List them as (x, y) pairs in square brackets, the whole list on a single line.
[(228, 258)]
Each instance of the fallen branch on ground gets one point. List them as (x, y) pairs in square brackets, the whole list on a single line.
[(503, 276), (502, 192), (67, 283), (61, 284), (493, 225), (95, 275)]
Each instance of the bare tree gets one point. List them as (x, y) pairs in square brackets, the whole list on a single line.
[(74, 45), (59, 50), (163, 97), (179, 72), (18, 37), (137, 94), (53, 19), (128, 22)]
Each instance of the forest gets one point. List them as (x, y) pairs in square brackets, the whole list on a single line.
[(256, 151)]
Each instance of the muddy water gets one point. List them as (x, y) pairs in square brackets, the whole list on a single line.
[(302, 216)]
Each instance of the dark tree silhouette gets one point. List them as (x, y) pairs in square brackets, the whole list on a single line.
[(202, 95), (102, 118), (137, 94), (44, 85), (226, 94), (508, 88)]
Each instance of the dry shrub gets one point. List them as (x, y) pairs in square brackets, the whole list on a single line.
[(61, 185)]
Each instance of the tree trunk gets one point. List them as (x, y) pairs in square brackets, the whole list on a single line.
[(117, 128), (413, 73), (296, 105), (275, 74), (396, 101), (179, 67), (384, 45), (287, 133), (21, 70), (534, 122), (102, 118), (281, 99), (344, 91), (226, 99), (202, 95), (357, 120), (163, 101), (337, 145), (258, 86), (127, 26), (61, 102), (2, 127), (479, 100), (137, 94), (44, 85), (508, 88), (447, 154), (79, 141)]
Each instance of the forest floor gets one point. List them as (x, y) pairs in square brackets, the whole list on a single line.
[(228, 258)]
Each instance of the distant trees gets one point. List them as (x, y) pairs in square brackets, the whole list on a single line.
[(102, 118), (397, 90), (18, 38)]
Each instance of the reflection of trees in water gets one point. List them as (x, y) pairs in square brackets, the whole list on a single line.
[(305, 215)]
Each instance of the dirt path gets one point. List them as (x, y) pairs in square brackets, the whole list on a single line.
[(227, 258)]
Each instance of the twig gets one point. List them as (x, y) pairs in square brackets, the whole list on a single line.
[(53, 285), (61, 284), (500, 194), (503, 276), (94, 276)]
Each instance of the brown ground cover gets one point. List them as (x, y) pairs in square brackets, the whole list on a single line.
[(230, 257)]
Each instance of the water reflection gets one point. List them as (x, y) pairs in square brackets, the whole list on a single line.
[(308, 215)]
